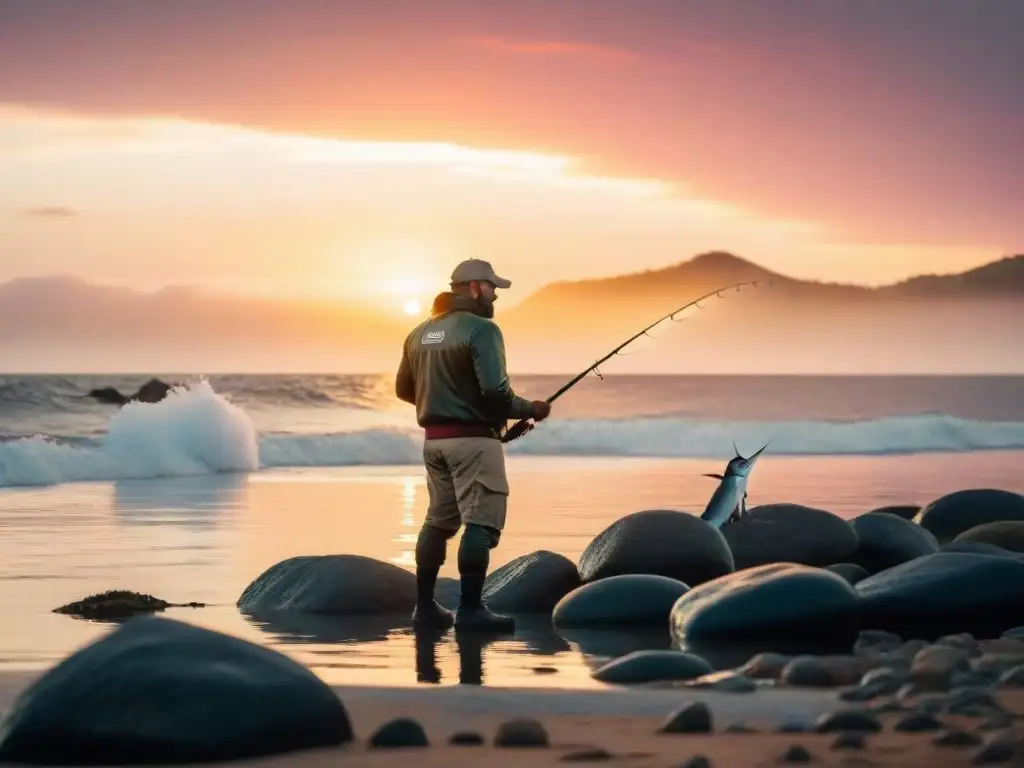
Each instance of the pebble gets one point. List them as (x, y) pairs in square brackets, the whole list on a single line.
[(847, 720), (695, 718), (849, 740), (794, 726), (1012, 678), (765, 666), (697, 761), (888, 706), (933, 667), (521, 732), (1017, 633), (996, 722), (587, 755), (917, 722), (795, 754), (999, 748), (740, 728), (466, 739), (825, 671), (954, 737), (872, 641), (726, 681), (399, 733)]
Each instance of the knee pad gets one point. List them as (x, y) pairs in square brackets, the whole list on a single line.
[(432, 546)]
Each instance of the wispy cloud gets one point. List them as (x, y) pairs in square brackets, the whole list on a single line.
[(50, 212), (550, 48)]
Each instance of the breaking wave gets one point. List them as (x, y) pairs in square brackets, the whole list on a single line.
[(196, 431)]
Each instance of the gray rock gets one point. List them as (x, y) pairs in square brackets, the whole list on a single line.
[(1000, 748), (876, 641), (466, 739), (1012, 678), (1006, 534), (848, 720), (647, 666), (587, 755), (904, 511), (946, 592), (727, 681), (825, 671), (795, 754), (399, 733), (851, 740), (949, 516), (781, 600), (851, 572), (933, 667), (156, 690), (333, 584), (521, 732), (697, 761), (619, 601), (660, 542), (917, 722), (789, 533), (694, 718), (954, 737), (886, 541), (533, 583), (977, 548)]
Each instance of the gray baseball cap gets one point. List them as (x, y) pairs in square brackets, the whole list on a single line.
[(480, 270)]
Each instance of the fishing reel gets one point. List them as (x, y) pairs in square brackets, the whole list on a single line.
[(517, 430)]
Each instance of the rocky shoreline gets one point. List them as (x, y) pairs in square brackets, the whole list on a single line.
[(916, 624)]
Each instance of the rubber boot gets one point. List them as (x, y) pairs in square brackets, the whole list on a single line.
[(431, 546), (474, 557)]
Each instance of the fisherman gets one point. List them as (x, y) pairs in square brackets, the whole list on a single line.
[(453, 371)]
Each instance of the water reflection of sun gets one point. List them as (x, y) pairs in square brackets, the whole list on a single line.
[(407, 539)]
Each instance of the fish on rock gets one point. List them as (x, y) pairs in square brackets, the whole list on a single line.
[(729, 501)]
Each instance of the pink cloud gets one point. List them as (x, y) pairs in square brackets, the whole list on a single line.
[(550, 48)]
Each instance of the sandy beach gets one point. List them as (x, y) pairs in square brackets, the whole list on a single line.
[(617, 726)]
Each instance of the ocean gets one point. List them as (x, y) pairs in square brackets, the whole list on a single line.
[(192, 498)]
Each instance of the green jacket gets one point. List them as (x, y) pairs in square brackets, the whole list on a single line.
[(453, 368)]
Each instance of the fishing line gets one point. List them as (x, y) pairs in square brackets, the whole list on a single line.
[(523, 426)]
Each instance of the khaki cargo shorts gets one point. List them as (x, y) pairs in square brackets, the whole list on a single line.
[(466, 482)]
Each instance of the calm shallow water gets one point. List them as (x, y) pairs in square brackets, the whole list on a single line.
[(205, 538)]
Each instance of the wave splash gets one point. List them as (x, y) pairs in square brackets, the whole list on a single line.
[(196, 431)]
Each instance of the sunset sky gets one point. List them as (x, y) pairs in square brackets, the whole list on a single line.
[(337, 149)]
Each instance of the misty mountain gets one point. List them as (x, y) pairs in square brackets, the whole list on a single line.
[(970, 322)]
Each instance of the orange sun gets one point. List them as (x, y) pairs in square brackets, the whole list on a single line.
[(411, 307)]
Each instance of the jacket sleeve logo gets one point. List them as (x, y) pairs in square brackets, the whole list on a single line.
[(432, 337)]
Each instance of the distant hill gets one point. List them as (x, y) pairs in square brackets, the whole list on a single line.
[(973, 321)]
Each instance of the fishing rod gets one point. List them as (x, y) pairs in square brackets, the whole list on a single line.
[(523, 426)]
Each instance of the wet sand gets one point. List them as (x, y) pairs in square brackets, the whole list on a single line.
[(622, 722)]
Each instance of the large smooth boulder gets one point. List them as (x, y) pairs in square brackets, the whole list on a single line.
[(335, 584), (789, 533), (157, 690), (533, 583), (619, 601), (849, 572), (784, 601), (905, 511), (945, 593), (976, 548), (950, 515), (886, 540), (652, 665), (660, 542), (1006, 534)]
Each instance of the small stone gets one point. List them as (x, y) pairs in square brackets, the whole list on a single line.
[(964, 640), (544, 670), (695, 718), (849, 740), (848, 720), (521, 732), (587, 755), (727, 681), (876, 640), (697, 761), (887, 707), (765, 666), (1017, 633), (400, 732), (1013, 678), (794, 726), (967, 701), (114, 604), (740, 728), (917, 722), (795, 754), (933, 667), (1000, 748), (954, 737), (1009, 646), (466, 739), (996, 722), (824, 671)]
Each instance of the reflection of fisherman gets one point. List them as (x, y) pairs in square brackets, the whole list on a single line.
[(453, 371)]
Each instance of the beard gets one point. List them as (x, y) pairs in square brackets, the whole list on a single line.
[(487, 305)]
